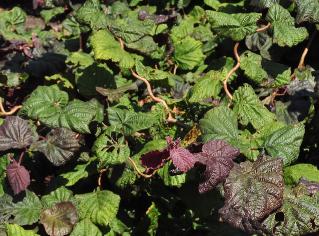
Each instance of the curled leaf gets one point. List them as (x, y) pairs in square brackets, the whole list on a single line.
[(217, 155), (18, 177)]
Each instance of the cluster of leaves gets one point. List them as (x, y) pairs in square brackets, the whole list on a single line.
[(134, 117)]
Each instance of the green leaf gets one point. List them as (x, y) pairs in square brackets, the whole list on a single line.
[(300, 213), (81, 59), (250, 109), (250, 63), (86, 228), (105, 47), (47, 15), (59, 146), (50, 106), (129, 121), (45, 104), (59, 219), (150, 73), (27, 211), (171, 180), (91, 13), (262, 4), (4, 162), (77, 115), (307, 10), (60, 80), (285, 143), (16, 230), (282, 79), (293, 174), (283, 25), (208, 86), (100, 207), (219, 123), (79, 173), (153, 214), (188, 53), (110, 150), (236, 26), (61, 194)]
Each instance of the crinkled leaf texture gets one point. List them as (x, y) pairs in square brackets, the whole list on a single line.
[(188, 53), (250, 63), (86, 228), (17, 230), (219, 123), (51, 106), (262, 4), (250, 109), (294, 173), (130, 121), (15, 133), (18, 177), (236, 26), (218, 157), (61, 194), (182, 159), (59, 145), (105, 47), (100, 207), (307, 10), (283, 25), (299, 214), (252, 191), (285, 143), (59, 219), (27, 211)]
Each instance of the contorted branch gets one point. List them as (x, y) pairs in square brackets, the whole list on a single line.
[(229, 95), (138, 171), (301, 64), (264, 28), (8, 113), (170, 118), (233, 70)]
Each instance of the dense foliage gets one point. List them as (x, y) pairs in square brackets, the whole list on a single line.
[(159, 117)]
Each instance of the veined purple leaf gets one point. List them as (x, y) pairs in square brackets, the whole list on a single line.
[(252, 191), (182, 159), (18, 177), (15, 133), (217, 155), (154, 159)]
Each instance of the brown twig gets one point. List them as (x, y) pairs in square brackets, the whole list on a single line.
[(301, 64), (138, 171), (170, 118), (229, 95), (8, 113), (99, 180), (264, 28), (121, 43)]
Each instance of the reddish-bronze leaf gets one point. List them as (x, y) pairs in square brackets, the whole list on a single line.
[(252, 191), (18, 177), (217, 155), (182, 159), (15, 133), (155, 159)]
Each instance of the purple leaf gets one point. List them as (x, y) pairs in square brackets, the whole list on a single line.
[(217, 155), (18, 177), (15, 133), (182, 159), (154, 159)]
